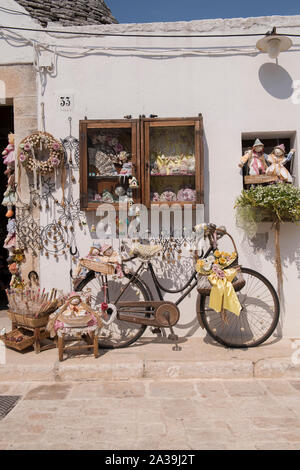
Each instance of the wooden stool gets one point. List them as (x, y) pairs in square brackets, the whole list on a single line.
[(61, 345)]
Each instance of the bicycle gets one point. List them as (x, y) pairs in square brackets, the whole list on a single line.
[(257, 321)]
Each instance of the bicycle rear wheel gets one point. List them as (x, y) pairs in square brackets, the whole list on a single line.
[(258, 318), (119, 334)]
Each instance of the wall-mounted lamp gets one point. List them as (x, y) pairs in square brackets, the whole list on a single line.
[(274, 43)]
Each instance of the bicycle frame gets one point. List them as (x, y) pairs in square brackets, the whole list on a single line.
[(151, 306)]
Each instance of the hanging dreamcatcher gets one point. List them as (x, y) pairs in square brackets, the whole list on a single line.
[(71, 147)]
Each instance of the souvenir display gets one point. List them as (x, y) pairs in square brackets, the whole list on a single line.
[(101, 259), (104, 165), (277, 161), (107, 196), (173, 165), (133, 183), (10, 240), (74, 317), (216, 276), (255, 158), (33, 302), (9, 198), (15, 259), (8, 153), (168, 196), (120, 191), (172, 157), (186, 194), (36, 144), (110, 153)]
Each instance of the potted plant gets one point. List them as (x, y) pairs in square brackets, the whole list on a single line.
[(277, 203)]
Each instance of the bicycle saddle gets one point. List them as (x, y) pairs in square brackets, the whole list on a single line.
[(146, 251)]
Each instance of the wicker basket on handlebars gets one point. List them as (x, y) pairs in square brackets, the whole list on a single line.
[(203, 284)]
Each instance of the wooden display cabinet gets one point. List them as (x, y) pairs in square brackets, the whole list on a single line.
[(172, 158), (109, 158)]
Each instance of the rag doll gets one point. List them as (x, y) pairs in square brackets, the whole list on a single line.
[(277, 160)]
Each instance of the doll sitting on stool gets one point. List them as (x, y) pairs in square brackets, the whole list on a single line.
[(74, 319)]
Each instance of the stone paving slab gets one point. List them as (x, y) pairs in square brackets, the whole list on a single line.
[(156, 414)]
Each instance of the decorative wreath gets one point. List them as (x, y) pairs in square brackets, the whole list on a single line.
[(38, 141)]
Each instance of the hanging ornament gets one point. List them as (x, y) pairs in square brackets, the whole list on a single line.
[(40, 141)]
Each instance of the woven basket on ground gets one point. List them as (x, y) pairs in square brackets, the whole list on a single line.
[(26, 342)]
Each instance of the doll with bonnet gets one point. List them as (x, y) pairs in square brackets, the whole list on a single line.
[(278, 160)]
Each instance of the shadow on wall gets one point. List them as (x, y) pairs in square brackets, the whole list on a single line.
[(206, 179), (276, 80), (290, 252)]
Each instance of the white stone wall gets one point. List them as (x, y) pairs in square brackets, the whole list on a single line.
[(237, 92)]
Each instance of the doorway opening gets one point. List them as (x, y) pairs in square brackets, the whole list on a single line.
[(6, 126)]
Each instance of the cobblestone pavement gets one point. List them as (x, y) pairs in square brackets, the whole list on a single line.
[(146, 414)]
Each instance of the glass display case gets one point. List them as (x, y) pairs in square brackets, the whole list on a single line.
[(172, 154), (109, 162)]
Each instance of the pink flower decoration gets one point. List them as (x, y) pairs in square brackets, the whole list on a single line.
[(56, 146), (55, 161), (118, 148), (22, 157), (155, 197), (218, 271), (27, 147)]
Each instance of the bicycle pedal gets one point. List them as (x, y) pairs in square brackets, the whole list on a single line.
[(156, 331)]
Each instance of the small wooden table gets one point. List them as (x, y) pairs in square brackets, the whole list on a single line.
[(40, 334), (61, 344)]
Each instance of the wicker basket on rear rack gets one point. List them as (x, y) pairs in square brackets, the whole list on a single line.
[(203, 284), (97, 266)]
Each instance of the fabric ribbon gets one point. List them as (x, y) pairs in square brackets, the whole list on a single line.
[(223, 295)]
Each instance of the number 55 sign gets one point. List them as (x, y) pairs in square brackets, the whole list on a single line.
[(65, 101)]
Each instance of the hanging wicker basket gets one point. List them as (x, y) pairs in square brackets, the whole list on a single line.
[(204, 286)]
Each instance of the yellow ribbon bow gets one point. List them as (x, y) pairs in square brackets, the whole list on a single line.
[(223, 295)]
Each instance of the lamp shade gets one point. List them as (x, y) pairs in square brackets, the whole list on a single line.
[(273, 44)]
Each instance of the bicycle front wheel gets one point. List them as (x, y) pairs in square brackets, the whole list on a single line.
[(258, 317), (119, 334)]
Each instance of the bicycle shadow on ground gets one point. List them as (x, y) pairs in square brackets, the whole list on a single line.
[(208, 340)]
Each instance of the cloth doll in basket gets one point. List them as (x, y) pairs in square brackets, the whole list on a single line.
[(104, 254), (74, 317)]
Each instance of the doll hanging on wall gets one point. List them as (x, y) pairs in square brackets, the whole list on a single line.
[(277, 160), (8, 153), (255, 158)]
